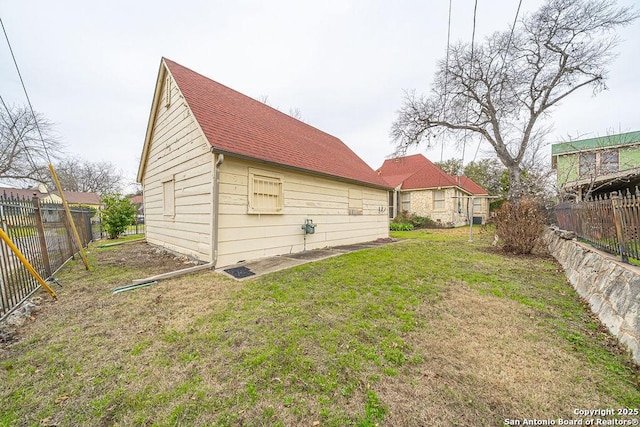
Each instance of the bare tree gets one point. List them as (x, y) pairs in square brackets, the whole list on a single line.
[(81, 175), (503, 88), (22, 151), (296, 113), (451, 166)]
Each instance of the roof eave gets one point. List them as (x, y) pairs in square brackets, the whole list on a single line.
[(299, 169), (162, 72)]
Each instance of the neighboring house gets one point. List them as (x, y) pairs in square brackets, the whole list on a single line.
[(73, 198), (227, 178), (422, 188), (597, 165), (138, 202), (86, 200), (80, 198), (40, 191)]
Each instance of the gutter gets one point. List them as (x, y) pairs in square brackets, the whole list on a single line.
[(386, 187), (137, 283), (215, 208)]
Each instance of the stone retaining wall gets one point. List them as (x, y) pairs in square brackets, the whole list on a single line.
[(611, 287)]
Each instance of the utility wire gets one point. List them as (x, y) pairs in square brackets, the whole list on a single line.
[(473, 40), (35, 119), (446, 74), (504, 60)]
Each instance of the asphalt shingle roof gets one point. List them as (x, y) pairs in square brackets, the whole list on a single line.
[(416, 171), (237, 124)]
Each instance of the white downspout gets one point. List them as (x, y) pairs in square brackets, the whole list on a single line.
[(215, 204), (214, 234)]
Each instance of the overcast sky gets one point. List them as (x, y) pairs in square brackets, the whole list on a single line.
[(91, 67)]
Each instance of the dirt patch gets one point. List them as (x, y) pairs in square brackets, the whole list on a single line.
[(130, 261), (141, 256)]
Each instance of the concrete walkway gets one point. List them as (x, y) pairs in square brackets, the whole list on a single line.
[(252, 269)]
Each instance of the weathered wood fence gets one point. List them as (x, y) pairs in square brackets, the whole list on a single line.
[(610, 223), (42, 233)]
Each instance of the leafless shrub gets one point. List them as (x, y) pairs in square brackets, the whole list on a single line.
[(519, 225)]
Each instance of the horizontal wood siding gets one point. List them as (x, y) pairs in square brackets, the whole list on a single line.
[(245, 236), (178, 150)]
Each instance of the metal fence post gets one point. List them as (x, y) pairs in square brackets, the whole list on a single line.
[(70, 241), (41, 235), (615, 201)]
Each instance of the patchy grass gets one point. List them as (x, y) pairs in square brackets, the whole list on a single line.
[(430, 331)]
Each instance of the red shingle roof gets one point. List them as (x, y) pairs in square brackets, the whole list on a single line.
[(470, 186), (21, 193), (79, 197), (416, 171), (236, 124), (136, 199)]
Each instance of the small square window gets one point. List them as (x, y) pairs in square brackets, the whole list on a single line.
[(265, 192), (609, 161), (587, 164)]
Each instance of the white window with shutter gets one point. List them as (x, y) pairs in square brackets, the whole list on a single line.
[(265, 192), (168, 197)]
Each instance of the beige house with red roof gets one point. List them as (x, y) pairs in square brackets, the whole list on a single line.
[(40, 191), (227, 178), (424, 189), (82, 198)]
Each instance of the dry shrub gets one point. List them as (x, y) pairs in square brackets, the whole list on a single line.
[(519, 225)]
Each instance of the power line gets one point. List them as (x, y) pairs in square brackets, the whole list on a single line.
[(473, 39), (446, 74), (35, 119), (515, 19), (504, 61)]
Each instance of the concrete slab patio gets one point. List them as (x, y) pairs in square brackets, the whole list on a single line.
[(256, 268)]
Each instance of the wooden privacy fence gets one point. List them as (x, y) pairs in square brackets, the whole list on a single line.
[(610, 223), (42, 233)]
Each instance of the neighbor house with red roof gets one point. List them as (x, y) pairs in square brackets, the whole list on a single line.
[(227, 178), (422, 188)]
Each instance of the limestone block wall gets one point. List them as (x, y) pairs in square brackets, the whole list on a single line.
[(611, 287)]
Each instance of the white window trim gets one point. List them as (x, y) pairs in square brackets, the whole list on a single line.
[(171, 183), (356, 201), (275, 178), (443, 200), (596, 168), (405, 199)]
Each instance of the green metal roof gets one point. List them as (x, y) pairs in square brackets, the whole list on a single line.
[(596, 143)]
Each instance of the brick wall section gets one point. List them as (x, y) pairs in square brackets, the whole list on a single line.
[(611, 287)]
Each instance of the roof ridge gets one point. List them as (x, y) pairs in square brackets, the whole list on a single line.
[(235, 123)]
